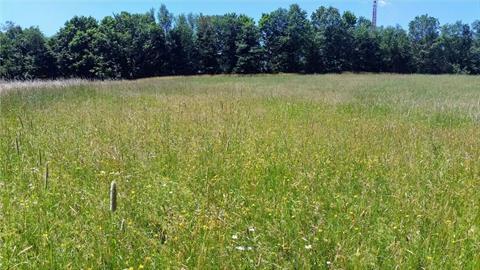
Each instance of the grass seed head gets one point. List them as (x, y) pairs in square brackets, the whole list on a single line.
[(113, 196)]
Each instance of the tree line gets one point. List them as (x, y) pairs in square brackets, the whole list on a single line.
[(158, 43)]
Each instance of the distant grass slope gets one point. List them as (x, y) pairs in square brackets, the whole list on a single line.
[(286, 171)]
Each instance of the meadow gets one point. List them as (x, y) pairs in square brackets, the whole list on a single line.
[(286, 171)]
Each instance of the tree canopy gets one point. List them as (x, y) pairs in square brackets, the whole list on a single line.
[(156, 43)]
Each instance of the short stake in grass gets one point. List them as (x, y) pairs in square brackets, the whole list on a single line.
[(113, 196)]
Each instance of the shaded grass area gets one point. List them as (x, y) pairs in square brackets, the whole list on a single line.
[(286, 171)]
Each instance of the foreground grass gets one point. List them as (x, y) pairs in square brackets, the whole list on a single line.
[(336, 171)]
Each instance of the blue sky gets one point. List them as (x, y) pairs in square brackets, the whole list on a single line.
[(50, 15)]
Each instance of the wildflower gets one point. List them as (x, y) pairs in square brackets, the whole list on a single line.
[(251, 229), (234, 237), (242, 248), (308, 247)]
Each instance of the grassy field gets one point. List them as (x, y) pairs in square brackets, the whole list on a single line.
[(286, 171)]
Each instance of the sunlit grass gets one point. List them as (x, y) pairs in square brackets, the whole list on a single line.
[(286, 171)]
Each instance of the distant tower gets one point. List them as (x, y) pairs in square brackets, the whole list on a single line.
[(374, 15)]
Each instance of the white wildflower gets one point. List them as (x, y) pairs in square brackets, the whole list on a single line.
[(242, 248)]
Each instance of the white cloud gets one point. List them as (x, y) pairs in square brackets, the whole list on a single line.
[(383, 3)]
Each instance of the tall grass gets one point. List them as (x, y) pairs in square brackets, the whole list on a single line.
[(286, 171)]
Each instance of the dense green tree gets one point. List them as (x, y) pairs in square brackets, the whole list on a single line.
[(165, 19), (475, 60), (74, 47), (299, 39), (395, 50), (437, 62), (207, 45), (132, 46), (475, 50), (457, 41), (274, 36), (286, 35), (3, 55), (25, 54), (476, 30), (249, 51), (331, 36), (227, 30), (182, 48), (367, 53), (108, 51), (426, 47), (39, 61), (11, 57), (349, 19), (166, 23), (350, 22)]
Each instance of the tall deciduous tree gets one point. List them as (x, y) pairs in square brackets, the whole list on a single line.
[(11, 56), (426, 47), (227, 28), (476, 30), (475, 50), (74, 47), (249, 51), (395, 50), (182, 49), (208, 45), (274, 36), (286, 35), (300, 39), (457, 42), (367, 53), (165, 19), (25, 54), (330, 38), (132, 46)]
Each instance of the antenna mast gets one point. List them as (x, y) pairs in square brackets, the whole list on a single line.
[(374, 15)]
